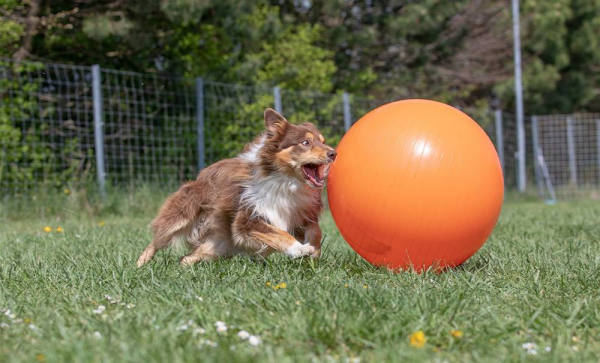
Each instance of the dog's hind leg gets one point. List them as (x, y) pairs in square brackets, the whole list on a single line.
[(166, 227)]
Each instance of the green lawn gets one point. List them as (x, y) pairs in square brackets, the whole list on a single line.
[(535, 281)]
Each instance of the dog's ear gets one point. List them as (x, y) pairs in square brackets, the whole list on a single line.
[(272, 118)]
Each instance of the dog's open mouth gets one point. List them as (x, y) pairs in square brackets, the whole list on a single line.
[(315, 174)]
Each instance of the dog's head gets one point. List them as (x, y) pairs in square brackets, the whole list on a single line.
[(295, 150)]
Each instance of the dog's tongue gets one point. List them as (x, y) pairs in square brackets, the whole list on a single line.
[(321, 171), (312, 171)]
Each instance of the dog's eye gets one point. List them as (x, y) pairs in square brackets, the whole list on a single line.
[(305, 142)]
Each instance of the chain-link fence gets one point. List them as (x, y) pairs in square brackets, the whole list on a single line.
[(567, 154), (562, 154), (63, 125)]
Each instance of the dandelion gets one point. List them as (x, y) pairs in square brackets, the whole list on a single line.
[(281, 285), (456, 333), (101, 224), (40, 357), (418, 339), (59, 229), (99, 310), (365, 286), (47, 229), (242, 334), (268, 283), (254, 340), (346, 285), (66, 191), (27, 321), (97, 335)]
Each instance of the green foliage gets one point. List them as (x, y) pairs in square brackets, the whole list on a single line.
[(10, 33), (104, 25), (294, 61), (184, 12), (458, 52), (26, 160)]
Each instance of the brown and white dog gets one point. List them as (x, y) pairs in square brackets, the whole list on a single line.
[(267, 199)]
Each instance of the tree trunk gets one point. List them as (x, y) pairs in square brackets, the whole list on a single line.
[(31, 28)]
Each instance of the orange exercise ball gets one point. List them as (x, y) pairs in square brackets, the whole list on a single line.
[(416, 184)]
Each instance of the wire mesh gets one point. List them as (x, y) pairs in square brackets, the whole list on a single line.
[(45, 118), (233, 115), (570, 148), (149, 128)]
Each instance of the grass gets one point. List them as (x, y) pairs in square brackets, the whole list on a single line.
[(535, 281)]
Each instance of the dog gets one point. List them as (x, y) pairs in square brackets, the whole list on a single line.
[(265, 200)]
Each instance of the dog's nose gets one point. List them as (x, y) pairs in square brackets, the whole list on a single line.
[(331, 154)]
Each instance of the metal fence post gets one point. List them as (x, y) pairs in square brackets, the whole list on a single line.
[(277, 98), (598, 146), (98, 128), (200, 123), (499, 137), (521, 176), (536, 154), (571, 151), (347, 113)]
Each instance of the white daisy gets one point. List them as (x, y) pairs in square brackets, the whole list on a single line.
[(221, 327), (99, 310), (254, 340), (243, 334)]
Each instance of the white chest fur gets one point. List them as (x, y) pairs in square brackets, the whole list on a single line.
[(281, 200)]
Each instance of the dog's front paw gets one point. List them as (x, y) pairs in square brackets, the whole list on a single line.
[(298, 249), (316, 253)]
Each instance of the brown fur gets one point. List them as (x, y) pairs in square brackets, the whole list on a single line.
[(210, 215)]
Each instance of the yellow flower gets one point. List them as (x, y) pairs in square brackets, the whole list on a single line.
[(101, 223), (40, 357), (27, 321), (365, 286), (282, 285), (66, 191), (418, 339), (456, 333), (345, 285), (268, 283), (59, 229), (47, 229)]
